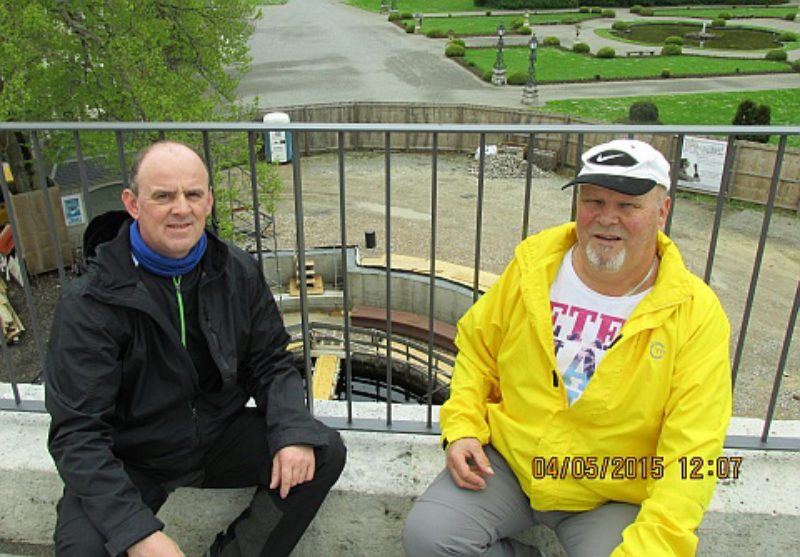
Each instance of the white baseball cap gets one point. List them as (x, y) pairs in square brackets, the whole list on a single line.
[(628, 166)]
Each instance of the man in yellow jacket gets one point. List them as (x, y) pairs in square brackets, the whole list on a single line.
[(592, 389)]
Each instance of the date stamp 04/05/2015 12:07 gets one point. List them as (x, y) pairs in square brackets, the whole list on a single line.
[(631, 468)]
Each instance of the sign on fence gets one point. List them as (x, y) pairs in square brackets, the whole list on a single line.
[(702, 162)]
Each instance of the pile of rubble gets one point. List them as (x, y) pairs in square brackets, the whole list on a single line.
[(509, 162)]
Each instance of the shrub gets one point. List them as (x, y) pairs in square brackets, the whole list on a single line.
[(580, 48), (620, 26), (487, 76), (790, 17), (435, 34), (551, 41), (410, 28), (749, 113), (787, 37), (584, 9), (454, 51), (674, 40), (776, 54), (569, 21), (606, 52), (665, 73), (459, 42), (488, 13), (725, 15), (406, 15), (517, 78), (796, 65), (636, 8), (609, 14), (646, 12), (524, 31), (671, 50), (516, 23), (596, 10), (718, 22), (394, 17), (643, 111)]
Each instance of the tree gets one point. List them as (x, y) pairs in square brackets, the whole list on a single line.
[(118, 60), (749, 113)]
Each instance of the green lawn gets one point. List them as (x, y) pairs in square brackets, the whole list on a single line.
[(556, 64), (420, 6), (689, 109), (740, 11), (487, 25)]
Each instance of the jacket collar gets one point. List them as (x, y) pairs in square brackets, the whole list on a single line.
[(540, 256), (113, 278)]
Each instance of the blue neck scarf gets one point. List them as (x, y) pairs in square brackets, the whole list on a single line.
[(165, 266)]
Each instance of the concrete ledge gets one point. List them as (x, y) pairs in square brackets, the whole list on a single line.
[(759, 513)]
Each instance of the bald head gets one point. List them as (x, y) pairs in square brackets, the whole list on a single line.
[(162, 152)]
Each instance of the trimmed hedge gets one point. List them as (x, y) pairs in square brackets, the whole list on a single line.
[(580, 48), (551, 41), (776, 54), (436, 34), (796, 65), (718, 22), (674, 40), (606, 52), (459, 42), (671, 50), (524, 31), (609, 14), (454, 51), (787, 37), (517, 78), (643, 112), (665, 73), (620, 26)]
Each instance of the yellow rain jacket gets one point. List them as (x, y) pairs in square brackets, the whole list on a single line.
[(660, 398)]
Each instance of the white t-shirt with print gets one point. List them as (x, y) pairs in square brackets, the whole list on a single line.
[(585, 325)]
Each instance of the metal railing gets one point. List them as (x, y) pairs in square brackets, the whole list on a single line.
[(41, 133)]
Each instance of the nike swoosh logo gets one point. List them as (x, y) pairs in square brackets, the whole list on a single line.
[(602, 159)]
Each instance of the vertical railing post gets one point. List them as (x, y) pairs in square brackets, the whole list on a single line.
[(345, 281), (297, 182), (387, 158), (723, 188), (48, 208), (432, 274), (762, 244)]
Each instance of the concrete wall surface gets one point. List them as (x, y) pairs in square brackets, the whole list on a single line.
[(757, 514)]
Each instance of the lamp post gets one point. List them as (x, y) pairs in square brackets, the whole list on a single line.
[(530, 95), (418, 21), (384, 7), (499, 70)]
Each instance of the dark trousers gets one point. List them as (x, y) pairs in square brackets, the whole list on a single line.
[(270, 526)]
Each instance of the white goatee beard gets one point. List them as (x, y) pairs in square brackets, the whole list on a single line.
[(597, 259)]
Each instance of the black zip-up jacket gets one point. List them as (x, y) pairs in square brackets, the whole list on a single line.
[(123, 392)]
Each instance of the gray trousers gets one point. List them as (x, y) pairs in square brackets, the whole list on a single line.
[(448, 520)]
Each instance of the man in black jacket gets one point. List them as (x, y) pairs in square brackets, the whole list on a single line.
[(152, 357)]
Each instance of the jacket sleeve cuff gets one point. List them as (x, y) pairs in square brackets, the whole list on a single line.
[(134, 529), (298, 436)]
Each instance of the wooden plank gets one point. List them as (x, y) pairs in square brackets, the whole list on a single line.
[(326, 375)]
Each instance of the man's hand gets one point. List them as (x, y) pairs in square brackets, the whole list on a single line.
[(157, 544), (291, 466), (468, 463)]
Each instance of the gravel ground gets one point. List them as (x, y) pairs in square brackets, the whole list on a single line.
[(501, 231)]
